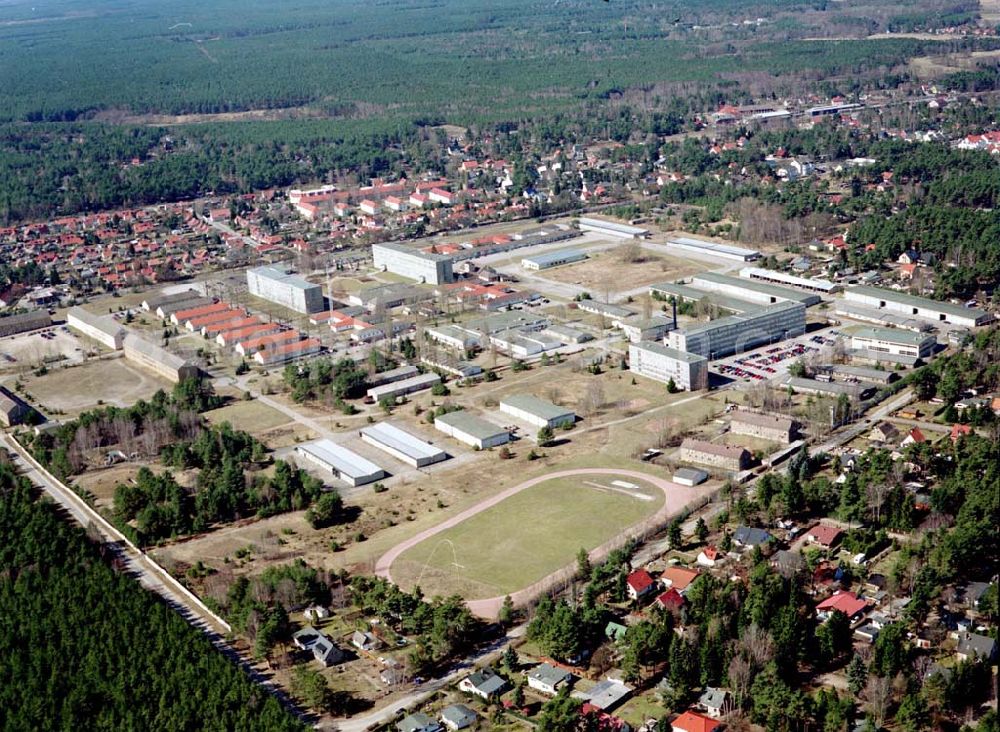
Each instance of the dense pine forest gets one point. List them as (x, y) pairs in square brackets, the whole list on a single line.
[(79, 641)]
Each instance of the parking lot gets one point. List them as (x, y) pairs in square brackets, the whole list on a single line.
[(770, 362)]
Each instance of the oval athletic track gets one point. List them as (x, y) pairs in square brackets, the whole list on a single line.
[(677, 498)]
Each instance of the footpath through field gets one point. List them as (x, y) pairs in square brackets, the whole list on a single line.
[(677, 499)]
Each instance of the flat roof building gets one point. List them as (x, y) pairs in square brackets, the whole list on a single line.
[(714, 249), (689, 476), (286, 289), (611, 228), (414, 264), (157, 359), (557, 258), (687, 293), (825, 388), (727, 457), (738, 333), (604, 308), (920, 307), (158, 300), (893, 341), (752, 290), (102, 328), (658, 362), (536, 412), (341, 463), (646, 329), (472, 430), (880, 317), (402, 445), (809, 284), (397, 374), (396, 389), (454, 336)]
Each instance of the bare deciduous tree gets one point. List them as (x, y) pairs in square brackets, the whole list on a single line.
[(878, 694)]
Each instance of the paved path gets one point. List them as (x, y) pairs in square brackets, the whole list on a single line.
[(678, 497)]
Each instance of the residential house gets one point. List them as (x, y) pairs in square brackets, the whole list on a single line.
[(639, 584), (615, 631), (914, 436), (885, 432), (974, 645), (458, 716), (826, 536), (548, 679), (365, 641), (319, 644), (710, 556), (678, 578), (747, 537), (418, 722), (715, 702), (606, 694), (484, 683), (691, 721), (315, 613), (846, 602), (960, 430), (671, 600)]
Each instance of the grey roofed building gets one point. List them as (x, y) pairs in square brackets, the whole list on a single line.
[(713, 701), (13, 409), (547, 677), (788, 563), (365, 641), (23, 322), (606, 694), (485, 683), (458, 716), (974, 592), (974, 645), (418, 722), (319, 644), (606, 309), (157, 300), (751, 536), (471, 430), (690, 476)]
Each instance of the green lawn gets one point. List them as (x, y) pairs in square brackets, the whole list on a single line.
[(252, 416), (523, 539)]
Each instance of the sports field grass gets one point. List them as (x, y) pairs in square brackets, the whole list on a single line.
[(524, 538), (251, 416)]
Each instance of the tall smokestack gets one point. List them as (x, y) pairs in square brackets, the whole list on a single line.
[(675, 313)]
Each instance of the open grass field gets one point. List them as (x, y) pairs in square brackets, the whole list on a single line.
[(525, 537), (605, 270), (252, 416), (79, 388)]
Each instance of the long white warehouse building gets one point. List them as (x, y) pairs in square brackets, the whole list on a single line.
[(658, 362), (893, 341), (714, 249), (536, 412), (402, 445), (434, 269), (285, 289), (102, 328), (472, 430), (610, 228), (901, 303), (809, 284), (757, 292), (340, 462)]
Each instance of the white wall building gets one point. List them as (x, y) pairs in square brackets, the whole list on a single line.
[(102, 328), (660, 363), (893, 341), (288, 290), (472, 430), (157, 359), (434, 269), (536, 412), (901, 303), (738, 333), (402, 445), (340, 462), (610, 228)]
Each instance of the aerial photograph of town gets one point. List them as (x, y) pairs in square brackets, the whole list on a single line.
[(519, 365)]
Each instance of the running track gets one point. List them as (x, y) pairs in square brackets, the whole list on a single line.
[(677, 497)]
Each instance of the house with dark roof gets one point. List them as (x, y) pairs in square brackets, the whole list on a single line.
[(606, 694), (458, 716), (548, 679), (320, 645), (787, 563), (974, 645), (747, 537), (484, 683), (714, 701), (418, 722)]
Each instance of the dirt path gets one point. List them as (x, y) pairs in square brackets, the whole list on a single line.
[(677, 499)]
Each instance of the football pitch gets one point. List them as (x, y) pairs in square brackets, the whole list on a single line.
[(527, 536)]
